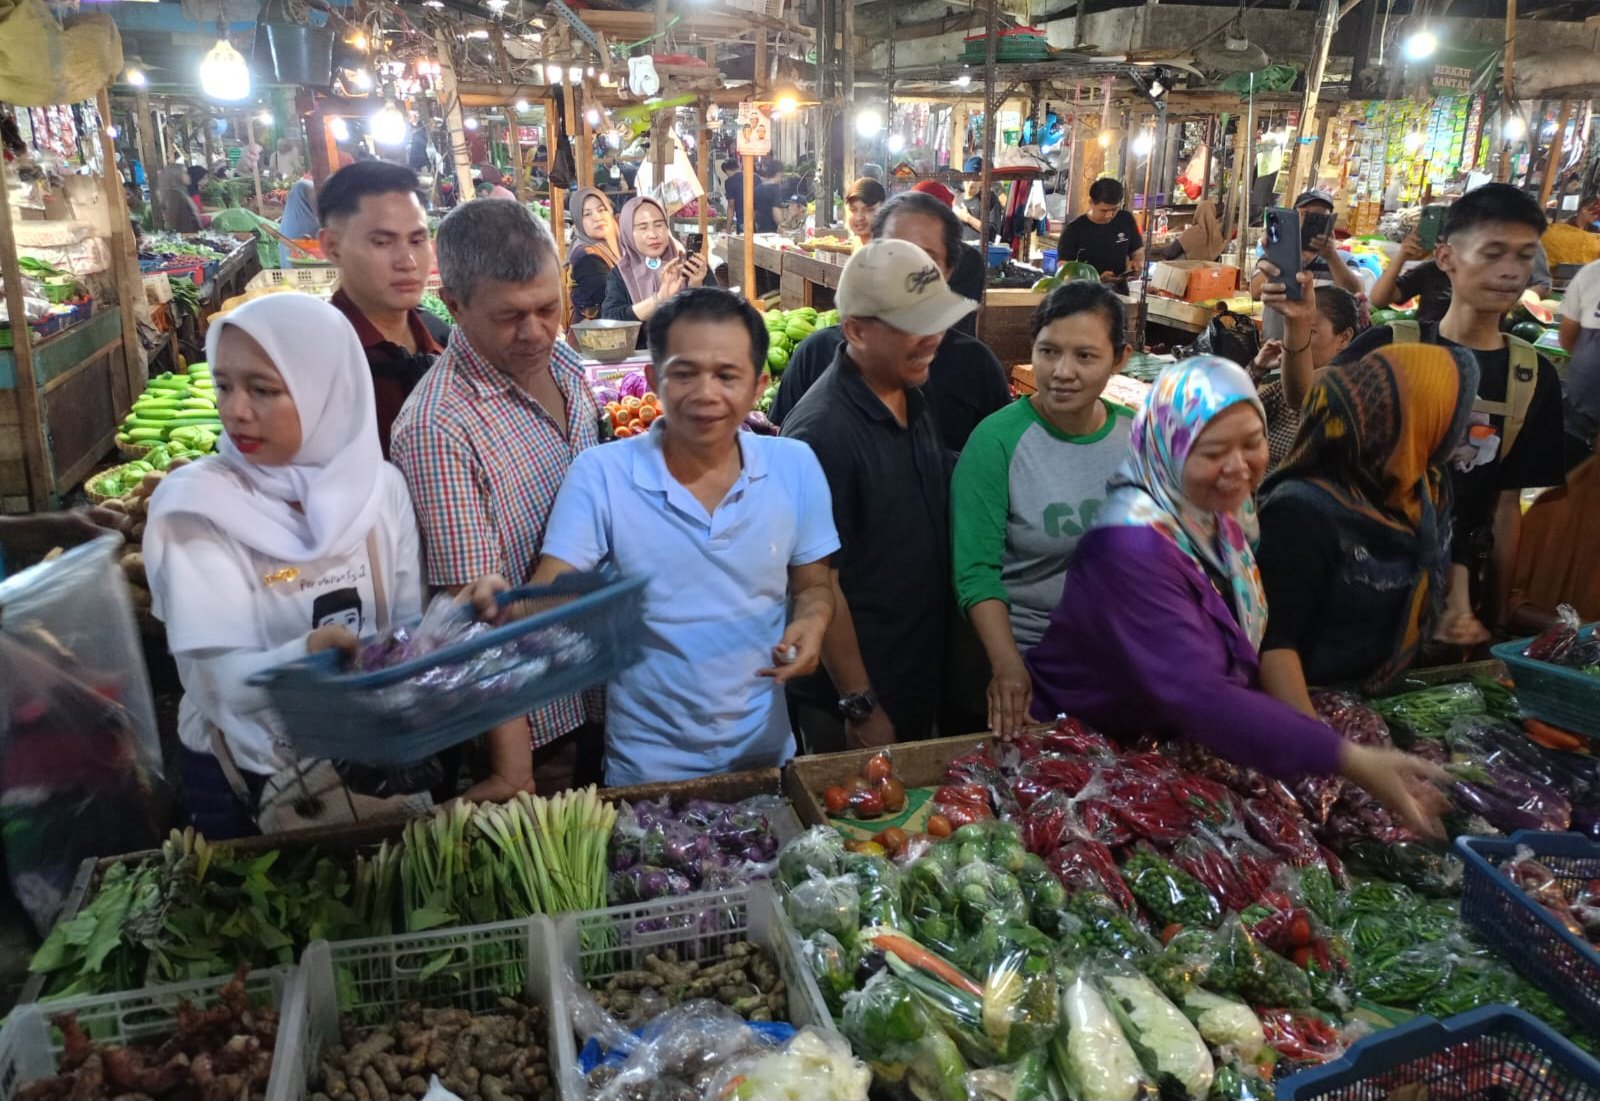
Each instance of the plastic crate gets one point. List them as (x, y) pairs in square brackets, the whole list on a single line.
[(601, 943), (29, 1045), (1560, 696), (369, 981), (1527, 935), (309, 280), (1486, 1055), (772, 9), (385, 718)]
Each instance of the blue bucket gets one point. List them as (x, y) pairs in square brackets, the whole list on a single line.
[(998, 255), (1049, 262)]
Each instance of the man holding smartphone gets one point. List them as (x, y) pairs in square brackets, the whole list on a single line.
[(1317, 256)]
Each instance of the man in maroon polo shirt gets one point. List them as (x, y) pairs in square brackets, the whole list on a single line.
[(375, 231)]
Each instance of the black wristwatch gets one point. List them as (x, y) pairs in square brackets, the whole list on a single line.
[(858, 705)]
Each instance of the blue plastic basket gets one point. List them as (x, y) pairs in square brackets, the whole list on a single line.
[(1553, 693), (1485, 1055), (1527, 935), (403, 714)]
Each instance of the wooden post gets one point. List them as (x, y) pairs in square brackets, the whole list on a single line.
[(660, 127), (1213, 135), (702, 168), (126, 265), (585, 157), (1507, 74), (454, 130), (1244, 164), (514, 127), (558, 196), (1554, 160), (148, 152), (749, 277), (30, 411), (1302, 151), (849, 89)]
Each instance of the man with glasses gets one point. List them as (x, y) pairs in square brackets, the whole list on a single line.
[(888, 469), (375, 231)]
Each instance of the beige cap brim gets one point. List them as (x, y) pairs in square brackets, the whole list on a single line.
[(937, 313)]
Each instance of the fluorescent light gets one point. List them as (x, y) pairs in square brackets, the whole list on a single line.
[(496, 6), (963, 80), (481, 32), (224, 73), (1142, 144), (552, 74), (592, 116), (868, 123), (339, 129), (471, 122), (575, 74), (136, 76), (1515, 128), (388, 126), (1421, 45), (520, 106), (896, 143)]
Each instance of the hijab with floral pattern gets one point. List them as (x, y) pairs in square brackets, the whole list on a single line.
[(1147, 490)]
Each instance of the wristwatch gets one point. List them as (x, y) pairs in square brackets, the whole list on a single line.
[(858, 705)]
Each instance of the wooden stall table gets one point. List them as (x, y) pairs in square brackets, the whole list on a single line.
[(810, 279), (1006, 323), (767, 258), (1184, 317)]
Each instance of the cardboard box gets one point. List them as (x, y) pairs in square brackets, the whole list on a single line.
[(1194, 280)]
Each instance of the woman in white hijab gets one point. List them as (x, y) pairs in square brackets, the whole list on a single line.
[(296, 537)]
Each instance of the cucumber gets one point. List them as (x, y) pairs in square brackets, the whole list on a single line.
[(146, 413), (145, 435), (201, 404)]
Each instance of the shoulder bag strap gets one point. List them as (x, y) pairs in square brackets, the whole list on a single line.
[(379, 594)]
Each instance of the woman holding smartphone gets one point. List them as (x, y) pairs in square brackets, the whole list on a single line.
[(654, 267)]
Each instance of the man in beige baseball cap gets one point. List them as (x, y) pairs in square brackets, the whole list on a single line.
[(888, 471)]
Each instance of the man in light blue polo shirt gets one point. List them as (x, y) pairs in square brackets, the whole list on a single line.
[(731, 528)]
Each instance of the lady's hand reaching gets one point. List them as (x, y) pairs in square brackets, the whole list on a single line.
[(1405, 784)]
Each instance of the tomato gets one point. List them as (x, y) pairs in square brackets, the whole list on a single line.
[(857, 783), (939, 826), (1304, 956), (894, 794), (1300, 930), (964, 814), (866, 804), (836, 799), (893, 840), (1170, 931), (878, 768)]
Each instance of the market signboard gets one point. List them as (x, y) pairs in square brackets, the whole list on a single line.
[(755, 130), (1460, 68)]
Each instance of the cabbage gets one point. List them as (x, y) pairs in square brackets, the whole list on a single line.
[(634, 385), (1096, 1059), (1225, 1023), (1167, 1044), (604, 393)]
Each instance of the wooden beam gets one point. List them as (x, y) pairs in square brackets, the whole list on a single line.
[(513, 124), (454, 128), (1302, 151), (748, 279), (632, 25), (702, 167), (1553, 160), (848, 89), (125, 264), (1508, 76), (30, 410)]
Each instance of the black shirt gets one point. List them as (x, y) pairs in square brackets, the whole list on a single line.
[(733, 191), (618, 302), (1108, 247), (588, 277), (992, 223), (1337, 596), (1536, 460), (891, 505), (1431, 284), (767, 196), (965, 381), (969, 278)]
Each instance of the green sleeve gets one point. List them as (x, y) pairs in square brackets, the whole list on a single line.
[(980, 501)]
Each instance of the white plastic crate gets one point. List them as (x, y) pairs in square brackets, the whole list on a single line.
[(309, 280), (772, 9), (371, 981), (29, 1045), (600, 943)]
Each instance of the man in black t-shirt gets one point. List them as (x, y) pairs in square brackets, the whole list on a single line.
[(1486, 249), (733, 191), (769, 198), (1107, 237)]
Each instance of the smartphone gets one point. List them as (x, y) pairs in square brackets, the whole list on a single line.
[(1281, 245), (694, 242), (1429, 224), (1314, 224)]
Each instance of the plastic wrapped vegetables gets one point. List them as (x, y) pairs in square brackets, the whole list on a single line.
[(1225, 1024), (1170, 1050), (658, 850), (1171, 895), (825, 905), (1091, 1053), (1254, 972), (888, 1026), (819, 849)]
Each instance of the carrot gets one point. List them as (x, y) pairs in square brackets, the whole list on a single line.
[(1553, 737), (919, 957)]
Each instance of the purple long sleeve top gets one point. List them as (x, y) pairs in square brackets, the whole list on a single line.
[(1141, 643)]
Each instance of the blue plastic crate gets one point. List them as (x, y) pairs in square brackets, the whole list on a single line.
[(1486, 1055), (1527, 935), (387, 717), (1553, 693)]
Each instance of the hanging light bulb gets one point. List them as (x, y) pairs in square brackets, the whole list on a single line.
[(896, 143), (339, 129), (868, 123), (224, 74), (574, 75), (1142, 144), (592, 117), (265, 118), (471, 122), (388, 126), (1515, 128), (135, 76), (1104, 139), (1421, 45), (358, 41), (553, 74), (964, 80), (361, 80), (520, 106), (496, 6)]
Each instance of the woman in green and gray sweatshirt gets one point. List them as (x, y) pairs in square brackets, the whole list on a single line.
[(1029, 482)]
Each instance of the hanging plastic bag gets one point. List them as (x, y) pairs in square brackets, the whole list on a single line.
[(80, 763)]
